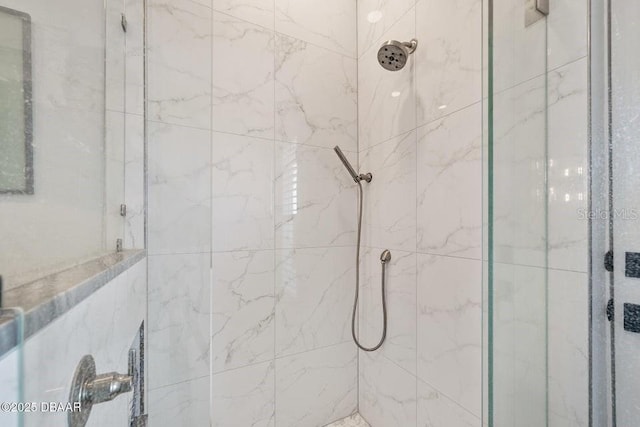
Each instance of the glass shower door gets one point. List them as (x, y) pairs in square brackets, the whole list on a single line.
[(11, 369), (625, 200), (516, 215)]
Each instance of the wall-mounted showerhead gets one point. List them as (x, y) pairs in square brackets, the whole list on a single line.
[(393, 55)]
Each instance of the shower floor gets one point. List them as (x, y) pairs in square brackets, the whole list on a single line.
[(354, 420)]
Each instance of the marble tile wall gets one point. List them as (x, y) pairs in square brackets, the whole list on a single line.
[(421, 137), (179, 35), (251, 214)]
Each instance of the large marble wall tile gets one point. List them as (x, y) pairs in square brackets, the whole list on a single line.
[(328, 23), (386, 100), (314, 289), (530, 346), (503, 335), (183, 404), (242, 73), (179, 80), (244, 397), (519, 51), (375, 17), (450, 327), (316, 95), (519, 336), (567, 33), (243, 309), (448, 57), (519, 174), (437, 410), (179, 324), (390, 204), (317, 387), (400, 342), (134, 172), (242, 208), (315, 198), (387, 392), (449, 215), (568, 356), (568, 167), (258, 12), (179, 189)]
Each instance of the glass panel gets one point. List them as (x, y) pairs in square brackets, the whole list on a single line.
[(625, 130), (516, 216), (11, 369), (61, 172)]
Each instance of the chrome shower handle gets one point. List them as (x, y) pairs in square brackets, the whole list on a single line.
[(88, 389), (106, 387)]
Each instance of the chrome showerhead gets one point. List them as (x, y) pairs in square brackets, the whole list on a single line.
[(393, 55)]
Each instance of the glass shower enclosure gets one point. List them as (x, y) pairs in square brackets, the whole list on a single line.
[(562, 230)]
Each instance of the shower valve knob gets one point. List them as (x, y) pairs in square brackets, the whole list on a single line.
[(88, 389)]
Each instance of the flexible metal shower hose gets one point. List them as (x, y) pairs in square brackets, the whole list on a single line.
[(355, 302)]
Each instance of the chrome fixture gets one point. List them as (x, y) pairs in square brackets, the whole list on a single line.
[(357, 178), (535, 10), (88, 389), (385, 257), (393, 55)]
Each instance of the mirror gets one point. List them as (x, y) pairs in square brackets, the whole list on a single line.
[(16, 125)]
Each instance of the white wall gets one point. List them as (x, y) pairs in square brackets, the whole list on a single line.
[(421, 137), (104, 326), (251, 214)]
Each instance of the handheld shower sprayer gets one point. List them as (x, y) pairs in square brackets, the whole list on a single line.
[(385, 258), (357, 178)]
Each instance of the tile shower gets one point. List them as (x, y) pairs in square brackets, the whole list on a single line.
[(251, 218)]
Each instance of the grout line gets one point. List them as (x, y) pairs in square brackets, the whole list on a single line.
[(538, 267), (416, 142), (211, 234), (299, 248), (275, 225), (359, 165), (179, 382), (385, 31), (537, 76), (275, 32), (418, 127), (419, 380), (273, 359)]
